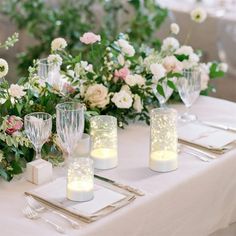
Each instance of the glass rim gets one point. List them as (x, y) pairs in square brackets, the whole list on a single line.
[(80, 107), (41, 61), (26, 117), (107, 116), (165, 110)]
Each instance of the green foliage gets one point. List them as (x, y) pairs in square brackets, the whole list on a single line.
[(71, 18)]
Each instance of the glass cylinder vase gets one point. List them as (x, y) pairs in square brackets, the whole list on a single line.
[(103, 132), (163, 141), (80, 180)]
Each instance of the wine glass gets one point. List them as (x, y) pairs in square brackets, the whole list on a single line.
[(70, 125), (189, 87), (167, 91), (38, 126)]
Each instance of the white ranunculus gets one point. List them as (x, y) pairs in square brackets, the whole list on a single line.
[(16, 91), (126, 48), (3, 68), (97, 96), (174, 28), (184, 50), (55, 59), (170, 44), (122, 99), (138, 106), (223, 67), (171, 63), (121, 59), (158, 71), (58, 44), (198, 15)]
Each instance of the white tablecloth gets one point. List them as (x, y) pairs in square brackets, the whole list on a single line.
[(197, 199)]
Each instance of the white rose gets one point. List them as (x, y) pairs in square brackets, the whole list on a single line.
[(170, 44), (171, 63), (158, 71), (223, 67), (97, 95), (58, 44), (55, 59), (126, 48), (174, 28), (198, 15), (3, 68), (16, 91), (184, 50), (138, 106), (121, 59), (122, 99)]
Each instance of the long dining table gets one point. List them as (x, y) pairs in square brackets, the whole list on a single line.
[(197, 199)]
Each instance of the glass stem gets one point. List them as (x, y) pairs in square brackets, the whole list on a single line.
[(38, 153), (187, 112)]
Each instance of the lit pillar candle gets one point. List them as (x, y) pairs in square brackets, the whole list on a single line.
[(163, 147), (103, 132), (80, 180)]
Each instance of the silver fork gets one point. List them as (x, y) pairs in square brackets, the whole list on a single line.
[(33, 215), (40, 208)]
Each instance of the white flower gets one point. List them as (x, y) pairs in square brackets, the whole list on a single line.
[(121, 59), (184, 50), (138, 106), (158, 71), (126, 88), (16, 91), (198, 15), (204, 76), (122, 99), (191, 62), (133, 80), (223, 67), (126, 48), (55, 59), (58, 44), (174, 28), (3, 68), (86, 66), (170, 43), (171, 63), (97, 96)]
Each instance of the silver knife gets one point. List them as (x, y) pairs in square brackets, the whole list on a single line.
[(220, 126), (128, 188)]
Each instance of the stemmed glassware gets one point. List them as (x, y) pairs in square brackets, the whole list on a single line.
[(189, 87), (38, 126), (167, 91), (70, 125)]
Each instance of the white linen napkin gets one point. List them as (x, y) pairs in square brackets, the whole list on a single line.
[(205, 136)]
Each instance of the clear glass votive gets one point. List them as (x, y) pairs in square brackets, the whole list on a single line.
[(80, 180), (103, 132), (163, 141), (82, 148)]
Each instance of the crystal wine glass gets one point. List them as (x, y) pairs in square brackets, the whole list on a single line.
[(167, 91), (70, 125), (38, 126), (189, 87)]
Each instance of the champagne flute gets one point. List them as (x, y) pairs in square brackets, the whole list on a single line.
[(38, 126), (167, 91), (70, 125), (189, 87)]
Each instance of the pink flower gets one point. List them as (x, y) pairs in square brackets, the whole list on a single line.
[(172, 64), (122, 73), (14, 124), (90, 38), (68, 88)]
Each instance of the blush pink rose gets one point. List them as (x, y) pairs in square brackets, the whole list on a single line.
[(122, 73), (90, 38), (14, 124), (171, 63), (68, 88)]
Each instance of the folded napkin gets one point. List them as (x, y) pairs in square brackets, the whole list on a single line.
[(212, 138), (107, 198)]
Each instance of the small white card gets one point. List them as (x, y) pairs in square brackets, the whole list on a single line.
[(205, 136), (56, 191)]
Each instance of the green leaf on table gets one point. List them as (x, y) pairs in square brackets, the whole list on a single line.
[(160, 90)]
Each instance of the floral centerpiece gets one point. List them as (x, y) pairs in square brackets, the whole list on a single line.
[(112, 78)]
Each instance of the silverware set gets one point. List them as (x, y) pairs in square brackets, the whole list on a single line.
[(34, 210)]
